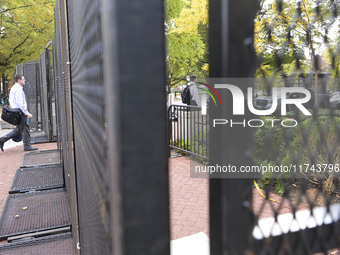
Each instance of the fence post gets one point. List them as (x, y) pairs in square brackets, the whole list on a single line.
[(231, 56), (134, 65), (65, 112)]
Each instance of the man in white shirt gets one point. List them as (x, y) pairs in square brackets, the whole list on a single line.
[(17, 100)]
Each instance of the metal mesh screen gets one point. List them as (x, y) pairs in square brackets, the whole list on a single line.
[(291, 206), (44, 95), (55, 46), (37, 178), (39, 92), (51, 93), (60, 87), (298, 41), (89, 126), (31, 73), (36, 211), (44, 157), (64, 95), (65, 106), (81, 115), (19, 69), (55, 244)]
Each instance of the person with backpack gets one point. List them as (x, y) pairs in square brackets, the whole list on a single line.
[(190, 92)]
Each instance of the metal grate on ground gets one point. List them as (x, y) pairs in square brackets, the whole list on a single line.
[(39, 137), (55, 244), (40, 158), (34, 211), (37, 178)]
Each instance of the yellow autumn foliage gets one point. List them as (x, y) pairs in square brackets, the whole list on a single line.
[(26, 27), (191, 17)]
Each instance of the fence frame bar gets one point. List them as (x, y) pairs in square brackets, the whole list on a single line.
[(230, 56), (137, 143)]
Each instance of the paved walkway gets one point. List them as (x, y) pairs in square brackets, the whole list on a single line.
[(189, 212), (189, 197), (189, 200), (10, 161)]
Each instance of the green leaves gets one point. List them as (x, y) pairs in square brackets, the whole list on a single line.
[(294, 29), (26, 28), (186, 38)]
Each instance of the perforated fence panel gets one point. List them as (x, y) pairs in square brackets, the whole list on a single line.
[(96, 185), (89, 126), (40, 95), (60, 89), (65, 107), (44, 95), (282, 194), (56, 72), (32, 77), (19, 69), (51, 93)]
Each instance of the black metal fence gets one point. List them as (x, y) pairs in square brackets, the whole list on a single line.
[(101, 148), (189, 130), (113, 133), (290, 214), (90, 145), (63, 90), (40, 97), (46, 109), (32, 76)]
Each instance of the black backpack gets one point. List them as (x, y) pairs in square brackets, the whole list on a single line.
[(186, 96)]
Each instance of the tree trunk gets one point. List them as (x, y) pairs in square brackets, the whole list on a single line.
[(316, 67), (169, 86), (3, 82), (336, 76), (316, 89)]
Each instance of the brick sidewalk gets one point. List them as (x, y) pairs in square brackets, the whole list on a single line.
[(189, 200)]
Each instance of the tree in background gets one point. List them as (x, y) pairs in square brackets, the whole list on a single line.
[(332, 56), (26, 27), (290, 35), (186, 28)]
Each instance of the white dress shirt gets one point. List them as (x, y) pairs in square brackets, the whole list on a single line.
[(17, 98)]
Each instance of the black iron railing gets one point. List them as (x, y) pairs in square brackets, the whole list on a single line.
[(188, 130)]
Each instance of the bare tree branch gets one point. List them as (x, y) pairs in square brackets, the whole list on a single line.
[(20, 44), (15, 8)]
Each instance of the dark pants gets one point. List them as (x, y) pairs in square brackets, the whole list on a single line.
[(21, 128)]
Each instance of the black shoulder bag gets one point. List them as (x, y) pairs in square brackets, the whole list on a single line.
[(12, 116)]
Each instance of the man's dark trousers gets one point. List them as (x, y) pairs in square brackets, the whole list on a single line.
[(21, 128)]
